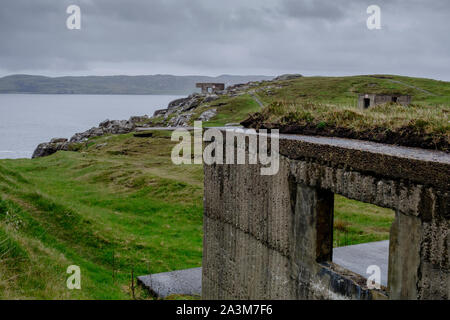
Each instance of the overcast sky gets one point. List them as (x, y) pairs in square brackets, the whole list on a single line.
[(211, 37)]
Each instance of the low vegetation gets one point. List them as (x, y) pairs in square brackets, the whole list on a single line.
[(111, 209), (118, 206), (328, 106), (231, 110), (357, 222), (416, 125)]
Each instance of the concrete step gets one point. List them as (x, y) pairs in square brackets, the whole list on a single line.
[(183, 282), (356, 258), (359, 257)]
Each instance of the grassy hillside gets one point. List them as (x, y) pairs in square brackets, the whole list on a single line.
[(328, 106), (344, 90), (118, 205), (119, 208)]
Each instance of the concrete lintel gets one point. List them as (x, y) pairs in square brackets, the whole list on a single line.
[(427, 167)]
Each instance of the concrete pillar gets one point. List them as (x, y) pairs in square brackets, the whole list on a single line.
[(312, 234), (312, 226), (404, 257)]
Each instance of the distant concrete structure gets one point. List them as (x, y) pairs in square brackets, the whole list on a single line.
[(208, 87), (368, 100)]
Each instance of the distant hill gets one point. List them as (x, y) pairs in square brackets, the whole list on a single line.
[(147, 84)]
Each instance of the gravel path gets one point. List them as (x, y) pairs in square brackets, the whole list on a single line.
[(411, 86), (257, 100)]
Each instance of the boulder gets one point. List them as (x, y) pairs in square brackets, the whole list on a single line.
[(58, 140), (49, 148), (176, 103), (83, 136), (208, 114), (138, 119), (160, 112), (105, 127), (186, 104), (180, 120), (210, 98)]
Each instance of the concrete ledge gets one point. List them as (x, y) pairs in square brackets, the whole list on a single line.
[(181, 282), (427, 167), (418, 165)]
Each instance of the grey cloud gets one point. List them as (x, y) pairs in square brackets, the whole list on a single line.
[(234, 36), (315, 9)]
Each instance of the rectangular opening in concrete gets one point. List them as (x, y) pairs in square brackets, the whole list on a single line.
[(361, 236), (366, 103), (394, 99)]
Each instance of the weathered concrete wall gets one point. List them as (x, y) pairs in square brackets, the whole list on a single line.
[(214, 87), (270, 237), (376, 99)]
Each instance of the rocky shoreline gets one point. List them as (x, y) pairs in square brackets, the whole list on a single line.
[(182, 112), (177, 114), (105, 127)]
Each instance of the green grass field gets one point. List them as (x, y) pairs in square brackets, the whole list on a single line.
[(230, 110), (113, 209), (344, 90), (356, 222)]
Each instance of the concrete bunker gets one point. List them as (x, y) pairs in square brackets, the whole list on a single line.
[(270, 237), (368, 100), (208, 87)]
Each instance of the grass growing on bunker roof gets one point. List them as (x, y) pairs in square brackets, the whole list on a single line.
[(427, 119), (417, 125)]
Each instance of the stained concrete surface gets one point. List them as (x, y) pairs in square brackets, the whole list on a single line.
[(355, 258), (184, 282), (359, 257)]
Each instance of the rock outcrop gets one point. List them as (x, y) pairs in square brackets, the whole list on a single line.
[(48, 148), (179, 113), (105, 127), (180, 120), (186, 104), (208, 114), (160, 112)]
